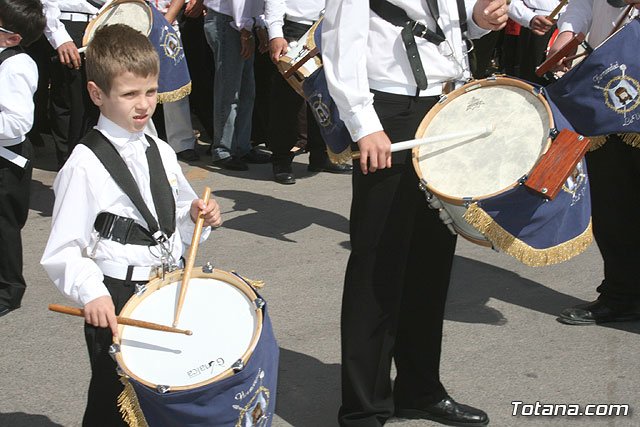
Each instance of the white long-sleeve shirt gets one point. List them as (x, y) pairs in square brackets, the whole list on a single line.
[(54, 30), (18, 83), (83, 189), (243, 12), (595, 17), (300, 11), (361, 51), (523, 11)]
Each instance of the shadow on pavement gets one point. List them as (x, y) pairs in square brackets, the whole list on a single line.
[(308, 390), (20, 419), (276, 218)]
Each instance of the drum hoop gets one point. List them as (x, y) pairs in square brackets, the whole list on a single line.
[(475, 84), (175, 276), (89, 30)]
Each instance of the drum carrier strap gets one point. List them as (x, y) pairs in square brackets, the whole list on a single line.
[(9, 52), (411, 28), (126, 230)]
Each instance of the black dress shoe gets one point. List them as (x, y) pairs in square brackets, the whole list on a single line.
[(282, 174), (328, 166), (189, 155), (448, 412), (257, 157), (596, 312), (231, 163), (4, 310)]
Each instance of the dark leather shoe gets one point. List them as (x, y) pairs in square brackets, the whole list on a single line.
[(328, 166), (4, 310), (282, 174), (448, 412), (596, 312), (231, 163), (189, 155), (257, 157)]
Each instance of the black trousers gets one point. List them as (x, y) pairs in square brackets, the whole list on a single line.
[(396, 283), (71, 110), (15, 184), (614, 172), (532, 51), (105, 386), (285, 106)]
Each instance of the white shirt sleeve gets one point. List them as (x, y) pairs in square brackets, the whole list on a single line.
[(18, 83), (577, 18), (76, 206), (242, 14), (54, 29), (344, 45), (520, 13), (274, 11)]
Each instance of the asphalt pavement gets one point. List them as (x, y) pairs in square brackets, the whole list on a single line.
[(502, 342)]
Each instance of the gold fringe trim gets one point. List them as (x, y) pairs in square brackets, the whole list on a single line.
[(257, 284), (174, 95), (340, 158), (532, 257), (633, 139), (130, 407), (597, 142)]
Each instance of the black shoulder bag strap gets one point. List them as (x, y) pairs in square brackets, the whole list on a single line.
[(411, 28), (9, 52), (160, 188)]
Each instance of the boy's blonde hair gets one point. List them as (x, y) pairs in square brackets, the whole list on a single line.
[(116, 49)]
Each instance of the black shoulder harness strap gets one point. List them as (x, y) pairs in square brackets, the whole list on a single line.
[(9, 52), (411, 28), (160, 188)]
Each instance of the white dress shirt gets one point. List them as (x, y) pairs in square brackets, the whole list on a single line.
[(83, 189), (595, 17), (243, 12), (18, 83), (54, 30), (301, 11), (361, 51), (523, 11)]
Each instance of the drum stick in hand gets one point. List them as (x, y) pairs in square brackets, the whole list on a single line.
[(555, 11), (191, 258), (406, 145), (121, 320)]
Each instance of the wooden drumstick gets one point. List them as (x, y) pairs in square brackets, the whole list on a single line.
[(121, 320), (555, 11), (406, 145), (191, 258)]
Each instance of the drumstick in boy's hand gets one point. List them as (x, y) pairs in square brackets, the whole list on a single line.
[(191, 258), (121, 320)]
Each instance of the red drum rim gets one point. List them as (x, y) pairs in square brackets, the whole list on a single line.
[(475, 84)]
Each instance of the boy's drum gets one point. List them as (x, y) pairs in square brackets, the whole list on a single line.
[(475, 182), (225, 371), (301, 60)]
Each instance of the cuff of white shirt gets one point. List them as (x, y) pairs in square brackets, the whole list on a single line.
[(363, 123), (275, 31), (473, 30), (525, 19), (568, 26), (186, 227), (58, 38), (90, 290)]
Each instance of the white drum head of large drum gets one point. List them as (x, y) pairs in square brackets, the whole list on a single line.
[(222, 316), (134, 13), (480, 166)]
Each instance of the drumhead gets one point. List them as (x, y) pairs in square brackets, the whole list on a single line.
[(134, 13), (219, 309), (481, 166)]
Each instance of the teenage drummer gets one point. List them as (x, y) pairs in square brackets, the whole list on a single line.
[(386, 68), (109, 233)]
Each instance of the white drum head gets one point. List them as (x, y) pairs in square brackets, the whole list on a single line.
[(484, 165), (134, 13), (222, 317)]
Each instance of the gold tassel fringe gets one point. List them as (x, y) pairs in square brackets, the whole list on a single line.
[(256, 284), (532, 257), (174, 95), (633, 139), (597, 142), (130, 407), (340, 158)]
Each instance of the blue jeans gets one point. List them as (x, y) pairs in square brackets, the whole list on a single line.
[(234, 88)]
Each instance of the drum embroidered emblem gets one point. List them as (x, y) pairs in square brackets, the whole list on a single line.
[(171, 45), (254, 413), (575, 184), (321, 111), (621, 91)]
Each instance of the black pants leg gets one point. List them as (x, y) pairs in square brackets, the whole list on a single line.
[(397, 278), (15, 183), (105, 386), (614, 173)]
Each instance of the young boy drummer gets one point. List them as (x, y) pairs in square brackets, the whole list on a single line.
[(113, 229)]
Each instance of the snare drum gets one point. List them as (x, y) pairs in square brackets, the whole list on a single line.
[(463, 176), (224, 373), (301, 60), (174, 81)]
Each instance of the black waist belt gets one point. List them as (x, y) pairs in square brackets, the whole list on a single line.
[(122, 230)]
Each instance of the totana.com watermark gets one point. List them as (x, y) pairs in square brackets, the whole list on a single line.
[(569, 409)]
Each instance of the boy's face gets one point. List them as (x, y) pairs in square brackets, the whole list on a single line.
[(131, 101)]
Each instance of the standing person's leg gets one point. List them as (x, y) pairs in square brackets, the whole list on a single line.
[(241, 147), (177, 123), (15, 183)]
